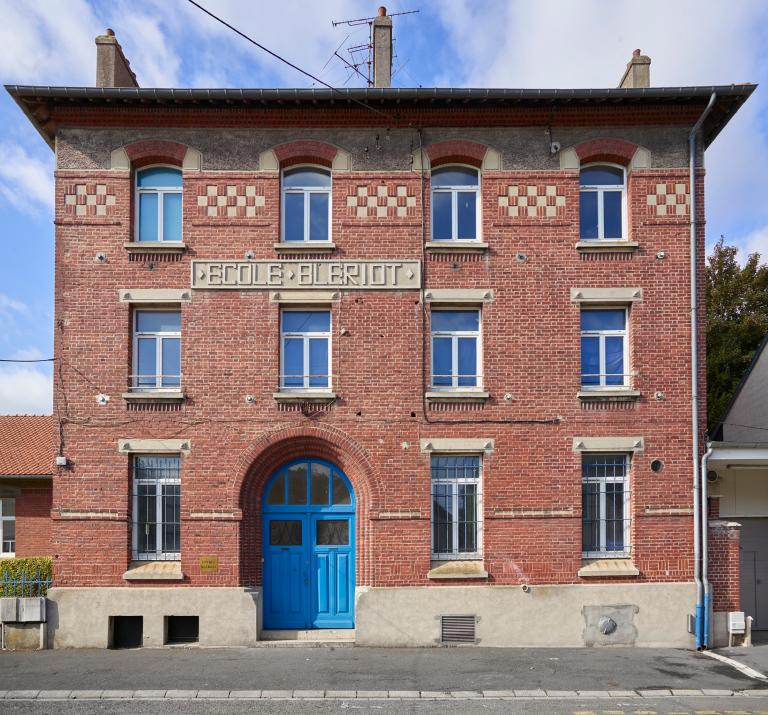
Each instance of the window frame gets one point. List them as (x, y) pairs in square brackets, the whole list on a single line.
[(456, 555), (306, 336), (305, 191), (600, 190), (454, 335), (3, 519), (160, 191), (454, 191), (160, 337), (158, 553), (603, 553), (601, 335)]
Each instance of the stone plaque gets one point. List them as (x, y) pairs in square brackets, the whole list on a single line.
[(209, 564), (292, 274)]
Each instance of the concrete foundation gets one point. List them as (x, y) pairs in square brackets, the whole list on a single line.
[(80, 617), (23, 636)]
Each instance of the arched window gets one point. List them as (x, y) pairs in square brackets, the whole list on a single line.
[(158, 204), (601, 202), (455, 214), (306, 204)]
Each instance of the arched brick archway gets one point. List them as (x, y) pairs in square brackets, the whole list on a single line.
[(257, 464)]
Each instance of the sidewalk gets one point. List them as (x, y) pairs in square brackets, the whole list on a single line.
[(755, 657)]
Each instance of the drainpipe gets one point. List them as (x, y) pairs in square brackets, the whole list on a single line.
[(707, 604), (699, 533)]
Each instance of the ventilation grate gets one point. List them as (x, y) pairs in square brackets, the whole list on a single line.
[(457, 629)]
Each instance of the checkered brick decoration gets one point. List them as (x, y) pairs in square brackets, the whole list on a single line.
[(231, 201), (89, 199), (669, 200), (532, 201), (384, 201)]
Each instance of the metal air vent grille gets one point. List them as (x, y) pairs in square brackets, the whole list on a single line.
[(457, 629)]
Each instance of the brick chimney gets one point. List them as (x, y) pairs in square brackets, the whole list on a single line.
[(638, 72), (381, 38), (112, 69)]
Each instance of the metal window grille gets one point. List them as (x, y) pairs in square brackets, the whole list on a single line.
[(7, 527), (456, 507), (605, 505), (156, 508)]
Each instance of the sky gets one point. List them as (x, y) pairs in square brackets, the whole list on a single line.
[(449, 43)]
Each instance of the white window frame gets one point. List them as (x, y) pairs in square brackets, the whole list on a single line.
[(454, 192), (3, 519), (601, 335), (456, 555), (159, 554), (603, 553), (160, 191), (600, 190), (454, 335), (306, 336), (159, 340), (306, 192)]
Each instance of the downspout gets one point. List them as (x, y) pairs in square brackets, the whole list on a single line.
[(699, 534), (707, 606)]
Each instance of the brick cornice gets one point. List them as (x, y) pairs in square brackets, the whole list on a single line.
[(305, 152), (461, 151), (617, 151)]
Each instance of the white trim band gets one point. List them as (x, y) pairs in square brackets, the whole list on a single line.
[(608, 444), (304, 296), (154, 295), (153, 446), (606, 295), (449, 444), (458, 295)]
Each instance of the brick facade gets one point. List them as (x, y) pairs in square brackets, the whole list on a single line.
[(33, 522), (724, 565)]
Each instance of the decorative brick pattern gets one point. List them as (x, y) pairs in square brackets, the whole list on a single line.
[(669, 199), (89, 199), (230, 201), (532, 201), (382, 201)]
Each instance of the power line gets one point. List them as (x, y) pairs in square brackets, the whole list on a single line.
[(38, 360), (287, 62)]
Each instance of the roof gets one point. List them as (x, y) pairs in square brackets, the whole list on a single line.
[(26, 445), (37, 102)]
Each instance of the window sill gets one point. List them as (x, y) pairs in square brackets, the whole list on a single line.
[(305, 396), (618, 394), (154, 571), (607, 566), (457, 570), (154, 396), (455, 246), (155, 247), (600, 246), (306, 247), (457, 396)]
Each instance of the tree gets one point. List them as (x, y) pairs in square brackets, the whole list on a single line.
[(737, 322)]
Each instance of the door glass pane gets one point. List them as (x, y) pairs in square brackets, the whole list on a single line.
[(148, 217), (467, 214), (171, 518), (441, 216), (318, 217), (590, 361), (146, 367), (293, 362), (171, 362), (467, 518), (293, 218), (172, 217), (614, 360), (318, 362), (147, 517), (320, 484), (277, 491), (297, 483), (590, 532), (442, 518), (333, 532), (588, 214), (341, 494), (441, 362), (285, 532), (468, 362), (614, 517), (612, 214)]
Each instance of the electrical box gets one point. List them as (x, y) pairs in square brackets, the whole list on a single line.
[(8, 610), (31, 610)]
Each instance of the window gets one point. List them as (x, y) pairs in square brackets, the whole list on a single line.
[(603, 347), (605, 505), (456, 507), (455, 349), (306, 204), (156, 512), (7, 527), (305, 336), (455, 192), (601, 203), (156, 350), (158, 204)]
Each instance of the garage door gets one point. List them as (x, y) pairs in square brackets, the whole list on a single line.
[(754, 571)]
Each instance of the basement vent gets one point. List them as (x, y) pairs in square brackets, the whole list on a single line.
[(457, 629)]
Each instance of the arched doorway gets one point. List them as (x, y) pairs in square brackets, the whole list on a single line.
[(309, 547)]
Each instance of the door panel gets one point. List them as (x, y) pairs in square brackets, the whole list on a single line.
[(754, 571), (333, 571), (285, 572)]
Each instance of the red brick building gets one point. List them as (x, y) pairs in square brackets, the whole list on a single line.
[(407, 365)]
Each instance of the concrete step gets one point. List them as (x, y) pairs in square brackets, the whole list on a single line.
[(304, 644), (315, 637)]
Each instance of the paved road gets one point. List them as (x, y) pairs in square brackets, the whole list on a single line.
[(443, 669)]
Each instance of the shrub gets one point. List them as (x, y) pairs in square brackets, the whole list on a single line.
[(25, 576)]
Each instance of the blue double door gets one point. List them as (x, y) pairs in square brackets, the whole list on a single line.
[(309, 549)]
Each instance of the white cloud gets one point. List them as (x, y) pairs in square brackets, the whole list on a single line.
[(26, 182), (754, 242), (25, 389), (11, 305)]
